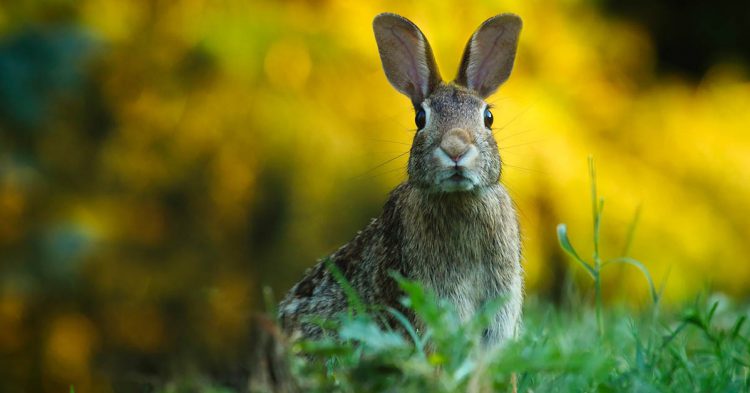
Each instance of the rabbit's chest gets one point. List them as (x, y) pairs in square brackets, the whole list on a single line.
[(466, 268), (467, 290), (466, 250)]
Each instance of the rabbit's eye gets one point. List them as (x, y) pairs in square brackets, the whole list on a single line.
[(488, 118), (420, 119)]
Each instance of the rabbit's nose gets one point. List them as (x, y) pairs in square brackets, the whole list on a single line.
[(456, 143)]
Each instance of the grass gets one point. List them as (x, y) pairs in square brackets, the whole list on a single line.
[(595, 267), (703, 346)]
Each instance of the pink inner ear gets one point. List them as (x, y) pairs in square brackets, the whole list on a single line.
[(410, 61), (484, 56), (406, 56)]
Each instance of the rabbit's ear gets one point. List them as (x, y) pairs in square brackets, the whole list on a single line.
[(489, 54), (406, 56)]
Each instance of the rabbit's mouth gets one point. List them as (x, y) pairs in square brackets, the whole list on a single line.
[(456, 179)]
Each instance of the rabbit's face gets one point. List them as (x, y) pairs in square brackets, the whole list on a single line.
[(455, 150)]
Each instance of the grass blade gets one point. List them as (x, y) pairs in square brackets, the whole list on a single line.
[(351, 294), (562, 235), (401, 318), (631, 232), (642, 268), (596, 208)]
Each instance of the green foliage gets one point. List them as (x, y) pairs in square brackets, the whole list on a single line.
[(595, 268), (161, 161), (704, 347), (366, 356)]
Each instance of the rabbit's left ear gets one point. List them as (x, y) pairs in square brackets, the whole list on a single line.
[(406, 55), (489, 54)]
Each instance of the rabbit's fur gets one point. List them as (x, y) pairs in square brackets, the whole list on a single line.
[(452, 225)]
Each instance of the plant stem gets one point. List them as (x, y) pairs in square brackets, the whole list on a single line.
[(596, 206), (598, 294)]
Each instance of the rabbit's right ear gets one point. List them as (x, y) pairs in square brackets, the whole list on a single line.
[(406, 55), (489, 54)]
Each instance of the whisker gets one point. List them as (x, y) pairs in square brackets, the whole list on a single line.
[(525, 169), (401, 168), (514, 197), (512, 120), (498, 99), (378, 153), (520, 144), (513, 135), (387, 141), (381, 165), (375, 156)]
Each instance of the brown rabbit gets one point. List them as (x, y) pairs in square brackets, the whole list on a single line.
[(452, 225)]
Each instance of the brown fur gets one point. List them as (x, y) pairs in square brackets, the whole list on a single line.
[(451, 226)]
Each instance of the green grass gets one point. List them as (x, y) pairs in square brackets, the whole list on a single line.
[(595, 267), (703, 346)]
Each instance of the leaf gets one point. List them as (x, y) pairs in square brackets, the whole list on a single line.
[(639, 355), (324, 348), (711, 312), (424, 303), (368, 333), (631, 231), (642, 268), (673, 334), (738, 326), (486, 313), (466, 369), (401, 318), (351, 294), (562, 235)]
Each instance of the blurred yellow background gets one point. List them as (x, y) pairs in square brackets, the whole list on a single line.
[(162, 161)]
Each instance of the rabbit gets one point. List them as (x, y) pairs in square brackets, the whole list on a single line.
[(451, 225)]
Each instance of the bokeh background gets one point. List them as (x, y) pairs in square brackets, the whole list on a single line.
[(163, 161)]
